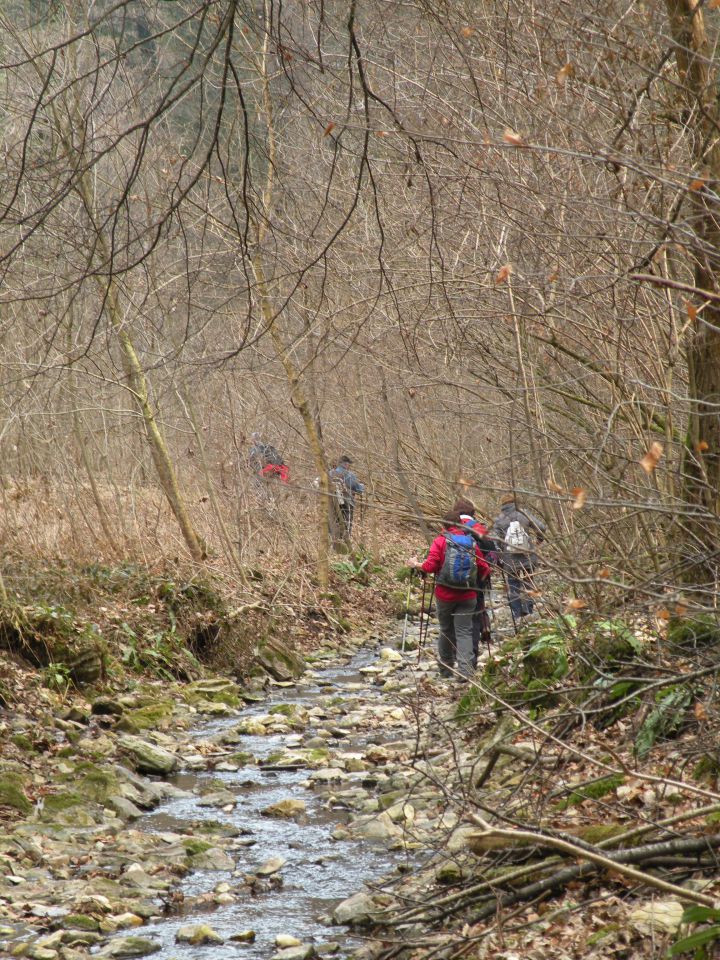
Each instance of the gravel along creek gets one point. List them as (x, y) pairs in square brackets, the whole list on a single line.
[(275, 830), (289, 872), (281, 829)]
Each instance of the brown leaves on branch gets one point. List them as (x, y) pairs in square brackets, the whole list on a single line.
[(651, 459), (329, 129), (513, 138), (576, 604), (503, 273), (580, 495), (564, 73)]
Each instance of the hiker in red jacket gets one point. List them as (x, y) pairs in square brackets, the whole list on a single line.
[(459, 569), (481, 620)]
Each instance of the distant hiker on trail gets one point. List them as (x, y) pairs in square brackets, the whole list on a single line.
[(517, 532), (266, 461), (481, 620), (344, 485), (459, 569)]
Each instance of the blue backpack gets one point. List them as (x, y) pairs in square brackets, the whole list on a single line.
[(459, 569)]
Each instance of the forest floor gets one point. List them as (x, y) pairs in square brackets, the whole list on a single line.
[(584, 750)]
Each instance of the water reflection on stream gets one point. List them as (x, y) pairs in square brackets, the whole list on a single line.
[(318, 872)]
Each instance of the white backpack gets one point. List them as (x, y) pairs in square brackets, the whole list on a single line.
[(516, 538)]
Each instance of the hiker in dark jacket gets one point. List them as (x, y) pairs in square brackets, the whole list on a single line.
[(455, 604), (345, 485), (518, 563), (481, 620)]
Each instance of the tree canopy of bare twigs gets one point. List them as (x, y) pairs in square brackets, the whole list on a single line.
[(473, 245)]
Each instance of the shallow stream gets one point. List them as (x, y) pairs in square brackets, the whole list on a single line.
[(319, 872)]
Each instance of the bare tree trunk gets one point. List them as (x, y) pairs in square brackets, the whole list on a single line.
[(158, 447), (698, 81), (131, 363)]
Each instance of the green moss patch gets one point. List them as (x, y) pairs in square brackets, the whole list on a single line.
[(591, 791), (12, 791), (155, 716)]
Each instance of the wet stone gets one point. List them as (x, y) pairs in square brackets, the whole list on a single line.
[(198, 935), (218, 798), (212, 859), (148, 757), (301, 952), (106, 707), (122, 921), (40, 953), (270, 866), (283, 941), (124, 808), (244, 936), (127, 947), (285, 809), (360, 909)]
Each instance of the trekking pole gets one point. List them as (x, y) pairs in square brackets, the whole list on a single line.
[(507, 593), (422, 611), (407, 614), (423, 637)]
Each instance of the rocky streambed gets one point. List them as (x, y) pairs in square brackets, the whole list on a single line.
[(180, 822)]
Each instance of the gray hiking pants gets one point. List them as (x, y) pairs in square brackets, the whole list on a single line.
[(456, 636)]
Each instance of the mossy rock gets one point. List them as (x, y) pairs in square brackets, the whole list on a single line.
[(194, 846), (286, 709), (699, 631), (546, 658), (12, 792), (218, 690), (155, 716), (279, 661), (399, 605), (294, 714), (69, 809), (92, 782), (242, 758), (215, 828), (80, 921), (613, 640), (311, 758), (60, 802), (23, 742)]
